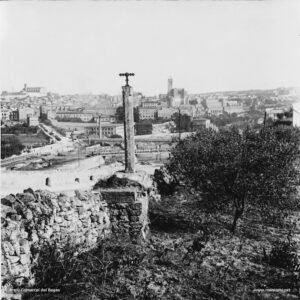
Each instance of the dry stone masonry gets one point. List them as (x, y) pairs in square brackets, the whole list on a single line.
[(128, 211), (34, 219), (127, 196)]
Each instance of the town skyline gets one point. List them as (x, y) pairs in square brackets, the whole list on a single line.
[(79, 48)]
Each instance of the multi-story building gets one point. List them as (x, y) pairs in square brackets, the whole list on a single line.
[(106, 118), (187, 110), (107, 129), (7, 96), (14, 115), (215, 106), (148, 110), (84, 116), (166, 112), (147, 113), (274, 112), (5, 114), (177, 97), (25, 92), (149, 104), (34, 91), (233, 106), (32, 121), (198, 123)]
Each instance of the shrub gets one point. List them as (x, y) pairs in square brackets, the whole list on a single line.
[(284, 254), (10, 146), (106, 271)]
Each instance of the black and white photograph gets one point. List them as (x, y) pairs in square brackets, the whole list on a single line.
[(150, 150)]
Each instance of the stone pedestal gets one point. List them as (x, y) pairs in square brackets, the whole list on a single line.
[(128, 199), (128, 212)]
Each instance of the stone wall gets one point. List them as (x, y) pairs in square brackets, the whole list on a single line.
[(32, 220)]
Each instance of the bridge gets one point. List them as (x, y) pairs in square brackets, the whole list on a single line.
[(137, 140), (119, 152), (167, 138)]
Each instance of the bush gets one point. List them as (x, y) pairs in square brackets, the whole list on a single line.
[(116, 136), (19, 129), (10, 146), (106, 272), (284, 254)]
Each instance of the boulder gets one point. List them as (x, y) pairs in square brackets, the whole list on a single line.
[(27, 198), (8, 200), (165, 183)]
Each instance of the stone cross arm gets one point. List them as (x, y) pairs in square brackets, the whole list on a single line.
[(126, 75)]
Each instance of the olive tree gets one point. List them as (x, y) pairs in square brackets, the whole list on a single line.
[(233, 168)]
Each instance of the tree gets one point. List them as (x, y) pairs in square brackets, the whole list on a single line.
[(182, 121), (233, 170), (120, 114), (193, 102), (204, 104), (116, 136), (10, 146), (43, 117), (136, 115)]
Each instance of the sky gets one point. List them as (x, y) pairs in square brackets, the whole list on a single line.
[(205, 46)]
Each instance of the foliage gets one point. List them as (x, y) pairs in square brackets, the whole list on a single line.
[(165, 183), (43, 117), (227, 119), (193, 102), (60, 130), (10, 146), (120, 114), (115, 136), (47, 122), (142, 128), (232, 169), (19, 129), (182, 121), (284, 254), (65, 119), (105, 271)]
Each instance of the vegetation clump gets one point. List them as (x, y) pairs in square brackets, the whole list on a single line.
[(233, 169), (10, 146), (284, 254)]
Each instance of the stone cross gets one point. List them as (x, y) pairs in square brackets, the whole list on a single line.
[(126, 75), (128, 126)]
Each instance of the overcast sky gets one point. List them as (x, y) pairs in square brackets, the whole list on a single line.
[(81, 47)]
